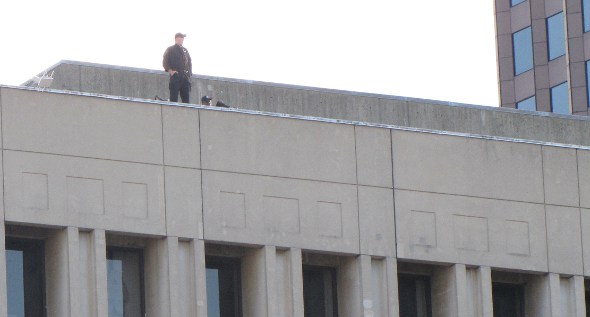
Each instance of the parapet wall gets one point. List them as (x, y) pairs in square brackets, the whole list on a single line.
[(326, 103)]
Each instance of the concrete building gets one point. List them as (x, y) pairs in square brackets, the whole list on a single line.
[(543, 52), (294, 202)]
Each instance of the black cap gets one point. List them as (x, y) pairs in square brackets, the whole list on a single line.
[(179, 35), (206, 99)]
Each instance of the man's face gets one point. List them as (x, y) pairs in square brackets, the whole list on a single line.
[(179, 40)]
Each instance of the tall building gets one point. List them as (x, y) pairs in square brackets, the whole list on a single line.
[(543, 52), (294, 202)]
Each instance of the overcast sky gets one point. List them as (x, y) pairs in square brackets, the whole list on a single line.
[(432, 49)]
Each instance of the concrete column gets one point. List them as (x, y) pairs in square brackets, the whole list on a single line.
[(157, 286), (200, 282), (99, 253), (296, 268), (484, 274), (349, 287), (537, 294), (173, 275), (258, 282), (449, 291), (579, 295), (367, 296), (555, 294), (62, 273), (392, 288)]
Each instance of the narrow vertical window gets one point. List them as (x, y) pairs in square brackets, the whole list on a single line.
[(414, 296), (319, 291), (508, 300), (223, 287), (25, 280), (125, 282), (527, 104), (556, 36), (560, 101), (522, 42)]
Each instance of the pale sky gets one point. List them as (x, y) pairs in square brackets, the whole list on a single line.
[(431, 49)]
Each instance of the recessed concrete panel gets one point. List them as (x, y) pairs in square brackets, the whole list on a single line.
[(184, 208), (373, 156), (524, 85), (81, 126), (181, 136), (277, 147), (557, 71), (474, 231), (560, 176), (564, 244), (377, 221), (252, 209), (467, 166), (81, 192), (85, 195), (520, 16)]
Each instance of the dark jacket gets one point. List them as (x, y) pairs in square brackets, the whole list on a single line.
[(174, 59)]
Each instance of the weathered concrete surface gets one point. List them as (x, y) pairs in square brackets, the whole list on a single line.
[(328, 103)]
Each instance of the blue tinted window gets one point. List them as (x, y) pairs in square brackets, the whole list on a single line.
[(527, 104), (556, 36), (522, 42), (515, 2), (124, 282), (15, 283), (586, 8), (25, 288), (560, 101)]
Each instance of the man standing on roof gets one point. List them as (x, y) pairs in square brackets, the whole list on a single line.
[(177, 62)]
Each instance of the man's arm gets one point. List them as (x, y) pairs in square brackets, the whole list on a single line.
[(166, 62)]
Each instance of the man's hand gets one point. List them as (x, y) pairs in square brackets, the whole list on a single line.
[(172, 72)]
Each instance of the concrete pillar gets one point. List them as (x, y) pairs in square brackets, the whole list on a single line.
[(296, 268), (99, 252), (392, 288), (156, 276), (289, 283), (579, 295), (62, 273), (200, 281), (449, 292), (349, 287), (479, 292), (484, 274), (537, 295), (258, 282), (173, 275)]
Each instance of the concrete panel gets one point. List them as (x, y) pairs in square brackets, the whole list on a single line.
[(524, 85), (81, 192), (557, 71), (454, 165), (283, 212), (184, 208), (373, 156), (553, 7), (95, 80), (560, 176), (376, 220), (503, 23), (181, 137), (584, 177), (474, 231), (66, 77), (520, 16), (81, 126), (277, 147), (122, 84), (564, 244), (585, 223), (576, 45)]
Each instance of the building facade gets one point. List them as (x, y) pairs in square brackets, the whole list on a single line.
[(115, 204), (543, 53)]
